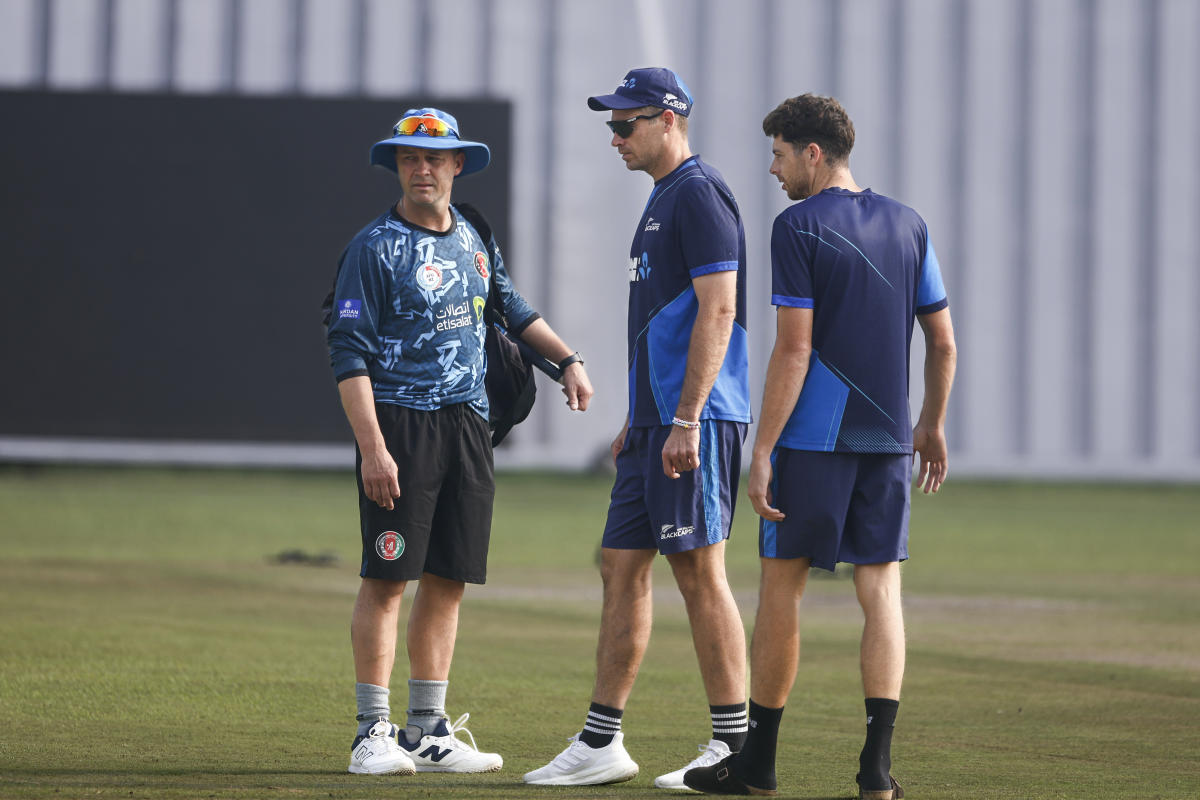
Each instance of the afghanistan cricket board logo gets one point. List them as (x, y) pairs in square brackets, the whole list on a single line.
[(481, 265), (389, 545)]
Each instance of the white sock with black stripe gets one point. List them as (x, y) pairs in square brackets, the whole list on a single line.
[(603, 723), (730, 724)]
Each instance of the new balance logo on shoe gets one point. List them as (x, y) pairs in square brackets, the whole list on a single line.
[(434, 754)]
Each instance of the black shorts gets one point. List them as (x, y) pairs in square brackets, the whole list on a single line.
[(442, 521)]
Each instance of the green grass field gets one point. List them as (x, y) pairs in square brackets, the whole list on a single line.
[(151, 648)]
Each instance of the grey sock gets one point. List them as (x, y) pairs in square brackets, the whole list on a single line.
[(372, 705), (426, 705)]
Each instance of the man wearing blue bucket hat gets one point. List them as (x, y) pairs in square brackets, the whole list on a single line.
[(678, 455), (406, 338)]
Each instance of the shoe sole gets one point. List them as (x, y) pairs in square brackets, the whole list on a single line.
[(400, 770), (460, 771), (585, 780)]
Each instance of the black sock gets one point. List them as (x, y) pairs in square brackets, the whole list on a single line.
[(875, 761), (755, 764), (603, 723), (729, 724)]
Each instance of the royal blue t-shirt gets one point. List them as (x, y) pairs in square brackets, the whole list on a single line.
[(691, 227), (408, 312), (865, 266)]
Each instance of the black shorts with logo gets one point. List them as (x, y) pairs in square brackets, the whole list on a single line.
[(442, 521)]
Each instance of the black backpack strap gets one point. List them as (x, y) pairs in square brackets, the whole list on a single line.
[(494, 309)]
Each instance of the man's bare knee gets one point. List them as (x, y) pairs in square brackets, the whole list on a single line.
[(877, 586), (701, 571), (626, 570)]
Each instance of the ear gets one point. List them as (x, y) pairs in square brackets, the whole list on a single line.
[(668, 119), (460, 158)]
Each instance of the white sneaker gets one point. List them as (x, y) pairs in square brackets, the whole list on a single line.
[(442, 751), (710, 754), (377, 753), (580, 765)]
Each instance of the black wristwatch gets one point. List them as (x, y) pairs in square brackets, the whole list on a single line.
[(574, 358)]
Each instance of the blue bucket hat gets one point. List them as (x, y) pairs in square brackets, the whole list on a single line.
[(431, 129), (647, 86)]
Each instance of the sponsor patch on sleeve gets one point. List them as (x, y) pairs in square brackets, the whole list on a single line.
[(349, 309)]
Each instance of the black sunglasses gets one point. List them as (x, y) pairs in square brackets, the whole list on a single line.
[(624, 127)]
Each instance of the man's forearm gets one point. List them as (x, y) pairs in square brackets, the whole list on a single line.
[(542, 338), (940, 363), (786, 372), (358, 401)]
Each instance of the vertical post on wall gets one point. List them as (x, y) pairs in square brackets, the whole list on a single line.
[(424, 37), (487, 48), (1085, 192), (42, 34), (897, 79), (358, 47), (833, 39), (296, 52), (550, 89), (1145, 319), (104, 49), (231, 58), (168, 58), (958, 212), (1024, 137)]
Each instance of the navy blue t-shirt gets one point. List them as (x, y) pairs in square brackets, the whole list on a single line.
[(865, 266), (691, 227)]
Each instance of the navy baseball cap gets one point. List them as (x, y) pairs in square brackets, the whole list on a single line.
[(647, 86), (431, 129)]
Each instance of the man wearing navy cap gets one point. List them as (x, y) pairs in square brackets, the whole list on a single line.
[(406, 340), (678, 456)]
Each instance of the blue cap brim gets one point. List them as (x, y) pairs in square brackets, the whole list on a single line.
[(608, 102), (477, 154)]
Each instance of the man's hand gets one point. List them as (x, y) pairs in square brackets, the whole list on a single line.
[(577, 387), (681, 452), (759, 488), (929, 444), (379, 479), (618, 444)]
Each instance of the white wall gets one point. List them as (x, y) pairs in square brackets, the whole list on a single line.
[(1050, 145)]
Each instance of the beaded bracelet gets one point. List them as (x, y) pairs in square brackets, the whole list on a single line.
[(683, 423)]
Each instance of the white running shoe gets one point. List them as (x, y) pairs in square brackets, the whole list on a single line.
[(377, 753), (443, 751), (710, 754), (580, 765)]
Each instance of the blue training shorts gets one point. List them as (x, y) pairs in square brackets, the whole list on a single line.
[(650, 511), (849, 507)]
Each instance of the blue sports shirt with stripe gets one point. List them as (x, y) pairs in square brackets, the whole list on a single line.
[(865, 266), (408, 312), (691, 227)]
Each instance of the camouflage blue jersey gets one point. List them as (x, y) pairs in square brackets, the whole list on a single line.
[(408, 312)]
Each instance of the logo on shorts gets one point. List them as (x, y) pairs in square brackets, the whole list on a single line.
[(389, 545), (481, 265), (429, 277), (671, 532)]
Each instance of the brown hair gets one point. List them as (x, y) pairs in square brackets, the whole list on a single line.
[(812, 118)]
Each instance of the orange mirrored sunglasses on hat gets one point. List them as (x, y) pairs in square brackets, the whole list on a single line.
[(427, 125)]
